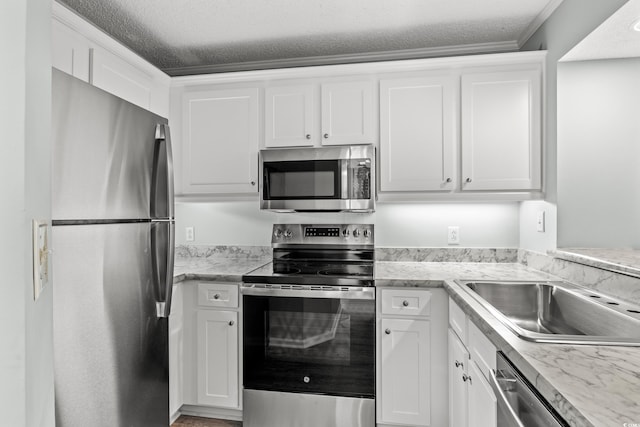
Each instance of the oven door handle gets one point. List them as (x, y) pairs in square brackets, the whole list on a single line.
[(351, 293)]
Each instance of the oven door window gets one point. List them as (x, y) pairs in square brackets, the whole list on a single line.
[(309, 345), (313, 179)]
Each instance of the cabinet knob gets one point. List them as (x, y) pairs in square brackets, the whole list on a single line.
[(231, 322), (458, 364), (253, 183), (308, 136), (466, 377), (468, 179), (387, 331), (216, 296), (306, 380), (405, 303), (326, 136), (448, 180)]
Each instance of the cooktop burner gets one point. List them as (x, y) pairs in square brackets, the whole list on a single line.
[(307, 255)]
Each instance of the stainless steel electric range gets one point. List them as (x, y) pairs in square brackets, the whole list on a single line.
[(309, 329)]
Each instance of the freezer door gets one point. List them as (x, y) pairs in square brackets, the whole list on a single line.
[(103, 153), (110, 346)]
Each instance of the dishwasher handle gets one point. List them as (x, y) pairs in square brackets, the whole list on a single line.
[(513, 419)]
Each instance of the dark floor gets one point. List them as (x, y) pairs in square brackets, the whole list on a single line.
[(186, 421)]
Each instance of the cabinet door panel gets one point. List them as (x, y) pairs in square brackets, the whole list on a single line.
[(116, 76), (217, 333), (482, 401), (417, 134), (405, 396), (347, 113), (289, 116), (220, 143), (458, 361), (501, 130)]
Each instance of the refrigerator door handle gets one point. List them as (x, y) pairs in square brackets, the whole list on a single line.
[(163, 135), (163, 268)]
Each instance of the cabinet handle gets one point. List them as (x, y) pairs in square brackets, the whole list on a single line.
[(448, 180), (216, 296), (253, 183), (308, 136), (231, 322), (326, 136), (458, 364), (405, 303), (387, 331), (468, 179), (466, 377)]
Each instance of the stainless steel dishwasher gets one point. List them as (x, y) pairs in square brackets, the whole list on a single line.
[(519, 404)]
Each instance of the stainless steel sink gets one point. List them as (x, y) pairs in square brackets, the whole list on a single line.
[(558, 312)]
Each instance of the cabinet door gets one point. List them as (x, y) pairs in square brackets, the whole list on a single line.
[(220, 142), (405, 397), (347, 113), (176, 353), (458, 361), (217, 333), (417, 134), (482, 402), (290, 116), (115, 75), (69, 51), (501, 130)]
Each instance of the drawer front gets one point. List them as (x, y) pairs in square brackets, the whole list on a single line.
[(406, 302), (218, 295), (458, 321), (481, 350)]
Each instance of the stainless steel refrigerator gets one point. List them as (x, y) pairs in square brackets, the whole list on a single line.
[(113, 240)]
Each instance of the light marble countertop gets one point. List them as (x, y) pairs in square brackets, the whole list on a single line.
[(590, 386), (626, 261)]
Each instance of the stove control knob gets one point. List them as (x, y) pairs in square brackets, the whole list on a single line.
[(367, 233), (277, 234), (356, 232), (287, 234), (345, 232)]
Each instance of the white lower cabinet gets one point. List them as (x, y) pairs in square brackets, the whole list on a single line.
[(217, 333), (472, 402), (411, 357), (212, 355)]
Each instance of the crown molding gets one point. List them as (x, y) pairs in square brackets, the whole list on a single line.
[(434, 52), (538, 21)]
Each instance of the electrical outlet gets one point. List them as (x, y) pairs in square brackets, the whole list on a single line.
[(189, 234), (453, 235)]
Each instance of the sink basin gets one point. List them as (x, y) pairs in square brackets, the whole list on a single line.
[(558, 312)]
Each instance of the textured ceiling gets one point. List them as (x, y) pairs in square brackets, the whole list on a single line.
[(614, 38), (180, 36)]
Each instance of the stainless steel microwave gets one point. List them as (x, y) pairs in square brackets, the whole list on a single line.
[(338, 178)]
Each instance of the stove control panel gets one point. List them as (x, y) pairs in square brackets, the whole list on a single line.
[(335, 234)]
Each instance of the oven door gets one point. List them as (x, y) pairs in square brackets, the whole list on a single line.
[(310, 341)]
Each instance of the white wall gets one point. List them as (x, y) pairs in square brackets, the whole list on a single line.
[(26, 359), (599, 153), (566, 27), (397, 225)]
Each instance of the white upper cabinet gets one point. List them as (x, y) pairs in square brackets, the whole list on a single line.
[(80, 49), (348, 113), (220, 141), (69, 51), (501, 130), (344, 110), (290, 116), (114, 75), (417, 134)]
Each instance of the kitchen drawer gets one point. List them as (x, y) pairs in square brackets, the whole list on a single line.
[(458, 321), (406, 302), (481, 350), (218, 295)]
